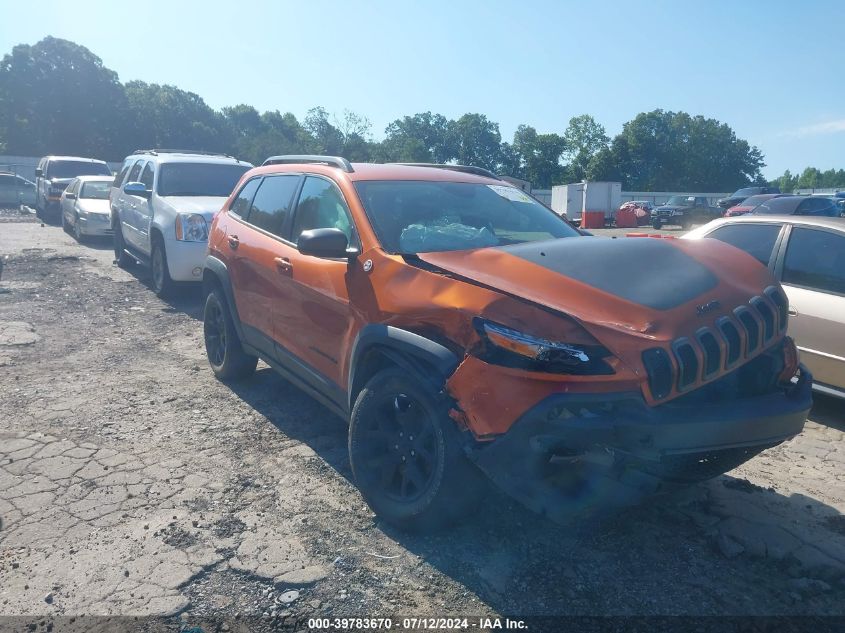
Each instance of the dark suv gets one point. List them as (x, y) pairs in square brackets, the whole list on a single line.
[(741, 194), (463, 328)]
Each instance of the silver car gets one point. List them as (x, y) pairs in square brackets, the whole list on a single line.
[(807, 255), (85, 206)]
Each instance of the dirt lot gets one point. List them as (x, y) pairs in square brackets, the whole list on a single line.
[(132, 483)]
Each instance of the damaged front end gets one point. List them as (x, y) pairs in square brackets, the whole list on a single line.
[(573, 454)]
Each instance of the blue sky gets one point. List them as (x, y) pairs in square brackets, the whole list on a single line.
[(773, 70)]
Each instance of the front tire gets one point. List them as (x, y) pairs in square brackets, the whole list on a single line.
[(77, 229), (223, 348), (406, 454), (162, 283), (657, 224)]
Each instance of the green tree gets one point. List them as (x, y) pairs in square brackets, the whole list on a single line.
[(421, 138), (166, 116), (810, 179), (538, 156), (583, 139), (477, 141), (673, 151), (57, 97)]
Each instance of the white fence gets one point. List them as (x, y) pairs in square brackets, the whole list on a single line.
[(25, 165), (655, 197)]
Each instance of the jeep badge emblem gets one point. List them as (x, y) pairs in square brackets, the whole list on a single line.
[(368, 265), (704, 308)]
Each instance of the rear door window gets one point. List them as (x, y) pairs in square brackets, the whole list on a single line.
[(758, 240), (815, 259), (272, 203), (118, 180)]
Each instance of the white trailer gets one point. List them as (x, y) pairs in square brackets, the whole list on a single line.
[(575, 198)]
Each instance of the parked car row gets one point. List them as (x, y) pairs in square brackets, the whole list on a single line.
[(463, 329)]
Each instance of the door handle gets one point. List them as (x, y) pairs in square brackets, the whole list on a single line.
[(234, 242), (792, 312), (283, 265)]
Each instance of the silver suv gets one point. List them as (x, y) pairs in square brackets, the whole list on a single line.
[(162, 203)]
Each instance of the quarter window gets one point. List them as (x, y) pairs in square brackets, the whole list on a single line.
[(758, 240), (321, 206), (118, 180), (241, 204), (815, 259), (272, 202)]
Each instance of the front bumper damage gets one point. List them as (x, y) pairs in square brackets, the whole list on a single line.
[(574, 454)]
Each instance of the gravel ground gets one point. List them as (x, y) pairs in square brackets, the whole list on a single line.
[(134, 483)]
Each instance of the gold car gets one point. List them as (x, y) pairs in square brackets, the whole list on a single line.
[(807, 255)]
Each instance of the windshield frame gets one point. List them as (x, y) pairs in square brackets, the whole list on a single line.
[(54, 164), (377, 227), (684, 201)]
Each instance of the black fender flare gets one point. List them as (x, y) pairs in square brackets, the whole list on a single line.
[(404, 348), (217, 269)]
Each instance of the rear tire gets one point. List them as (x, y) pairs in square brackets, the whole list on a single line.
[(121, 257), (406, 454), (162, 283), (223, 348)]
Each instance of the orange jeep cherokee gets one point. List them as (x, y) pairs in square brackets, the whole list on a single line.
[(464, 328)]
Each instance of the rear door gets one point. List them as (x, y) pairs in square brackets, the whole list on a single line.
[(259, 217), (144, 208), (812, 271), (68, 203), (115, 192)]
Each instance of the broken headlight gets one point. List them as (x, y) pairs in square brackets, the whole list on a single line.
[(512, 348)]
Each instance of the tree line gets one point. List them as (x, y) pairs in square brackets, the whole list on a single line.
[(57, 97)]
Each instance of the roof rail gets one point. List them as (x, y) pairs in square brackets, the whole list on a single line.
[(157, 151), (467, 169), (293, 159)]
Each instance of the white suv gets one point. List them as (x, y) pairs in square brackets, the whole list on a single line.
[(162, 203)]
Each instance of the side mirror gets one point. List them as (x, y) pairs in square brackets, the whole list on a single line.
[(137, 189), (70, 196), (323, 243), (39, 172)]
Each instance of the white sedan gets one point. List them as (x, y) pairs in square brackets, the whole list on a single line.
[(85, 206)]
